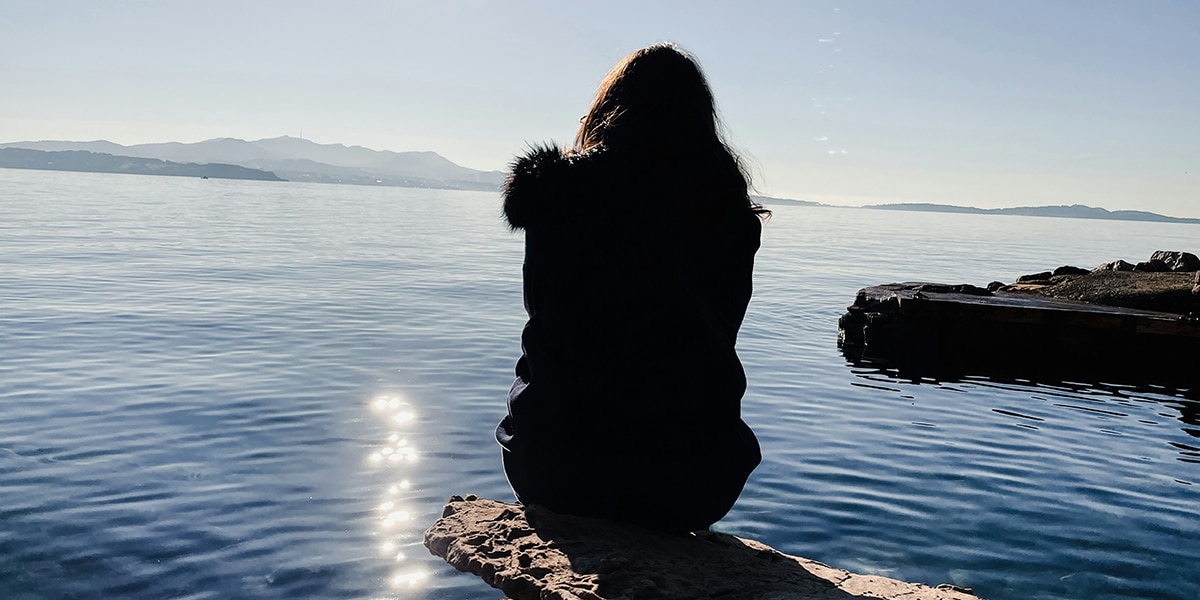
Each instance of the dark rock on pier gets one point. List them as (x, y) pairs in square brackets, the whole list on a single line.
[(532, 553), (1069, 270), (1116, 265), (1160, 262), (1177, 261), (1043, 276), (1152, 266)]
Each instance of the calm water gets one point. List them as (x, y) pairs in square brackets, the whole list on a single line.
[(221, 389)]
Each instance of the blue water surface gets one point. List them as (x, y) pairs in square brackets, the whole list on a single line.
[(234, 389)]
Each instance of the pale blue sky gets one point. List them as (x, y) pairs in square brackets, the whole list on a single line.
[(988, 104)]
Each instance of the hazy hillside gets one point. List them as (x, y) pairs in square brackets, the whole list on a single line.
[(98, 162), (789, 201), (1074, 211), (101, 146), (302, 160)]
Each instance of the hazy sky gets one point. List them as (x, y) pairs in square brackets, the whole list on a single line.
[(1000, 103)]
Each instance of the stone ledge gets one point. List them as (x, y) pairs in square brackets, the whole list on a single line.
[(532, 553)]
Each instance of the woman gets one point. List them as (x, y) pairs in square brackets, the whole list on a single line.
[(639, 247)]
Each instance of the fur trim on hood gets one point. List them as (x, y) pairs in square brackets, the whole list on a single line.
[(543, 179)]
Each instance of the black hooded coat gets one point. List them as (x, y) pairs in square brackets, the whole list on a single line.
[(627, 397)]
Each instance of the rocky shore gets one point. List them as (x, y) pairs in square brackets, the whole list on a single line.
[(1119, 322), (531, 553)]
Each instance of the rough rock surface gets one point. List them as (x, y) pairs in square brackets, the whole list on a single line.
[(1165, 291), (1160, 284), (532, 553)]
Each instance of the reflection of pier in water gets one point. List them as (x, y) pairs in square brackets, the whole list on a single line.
[(1071, 394), (396, 527), (1094, 396)]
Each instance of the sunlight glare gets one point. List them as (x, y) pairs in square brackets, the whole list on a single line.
[(409, 579), (397, 414)]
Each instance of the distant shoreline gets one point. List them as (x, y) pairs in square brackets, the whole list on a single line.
[(1074, 211), (84, 161)]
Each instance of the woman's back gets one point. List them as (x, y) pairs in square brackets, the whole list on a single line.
[(637, 276)]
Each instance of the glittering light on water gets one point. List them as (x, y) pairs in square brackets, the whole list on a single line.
[(395, 452), (398, 412), (394, 518), (409, 579), (389, 402), (401, 454)]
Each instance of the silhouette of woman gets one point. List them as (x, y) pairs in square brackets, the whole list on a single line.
[(639, 248)]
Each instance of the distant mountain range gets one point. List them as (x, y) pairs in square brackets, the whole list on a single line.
[(1074, 211), (297, 159)]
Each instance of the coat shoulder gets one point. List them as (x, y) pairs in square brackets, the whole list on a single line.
[(545, 180)]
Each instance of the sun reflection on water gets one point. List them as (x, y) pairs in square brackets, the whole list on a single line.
[(395, 520)]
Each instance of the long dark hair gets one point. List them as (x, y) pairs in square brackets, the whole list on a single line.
[(656, 103)]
